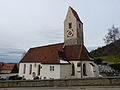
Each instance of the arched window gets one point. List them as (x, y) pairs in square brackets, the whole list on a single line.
[(73, 70), (92, 64), (78, 64), (39, 67), (70, 25), (30, 69), (84, 70), (24, 68)]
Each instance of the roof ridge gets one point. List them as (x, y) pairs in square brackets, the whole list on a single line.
[(87, 52), (47, 45)]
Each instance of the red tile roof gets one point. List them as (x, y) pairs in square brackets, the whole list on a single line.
[(76, 52), (53, 53), (6, 66), (1, 64), (45, 54), (75, 14)]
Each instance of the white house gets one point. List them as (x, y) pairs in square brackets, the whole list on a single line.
[(63, 60)]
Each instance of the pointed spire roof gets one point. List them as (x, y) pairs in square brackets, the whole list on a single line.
[(75, 14)]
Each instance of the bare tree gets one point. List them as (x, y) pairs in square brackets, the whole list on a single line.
[(112, 35)]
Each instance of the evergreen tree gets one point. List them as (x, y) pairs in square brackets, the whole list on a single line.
[(15, 69)]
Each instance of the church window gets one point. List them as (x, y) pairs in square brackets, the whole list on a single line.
[(73, 70), (51, 68), (92, 64), (30, 69), (78, 64), (39, 67), (70, 25), (35, 65), (24, 68), (84, 69)]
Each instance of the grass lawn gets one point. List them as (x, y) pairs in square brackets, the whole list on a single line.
[(114, 59)]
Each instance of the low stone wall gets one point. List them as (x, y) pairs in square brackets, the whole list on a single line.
[(61, 82)]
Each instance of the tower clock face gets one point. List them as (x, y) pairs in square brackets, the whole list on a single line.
[(70, 33)]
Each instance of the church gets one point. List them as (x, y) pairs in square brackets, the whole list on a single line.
[(62, 60)]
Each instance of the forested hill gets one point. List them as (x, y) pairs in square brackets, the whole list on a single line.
[(110, 53)]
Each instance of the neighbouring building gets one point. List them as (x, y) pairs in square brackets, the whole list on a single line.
[(6, 68), (63, 60)]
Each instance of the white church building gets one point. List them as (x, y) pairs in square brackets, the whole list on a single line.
[(63, 60)]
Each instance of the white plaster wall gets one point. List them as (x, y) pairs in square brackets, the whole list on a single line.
[(45, 72), (5, 71), (96, 70), (65, 71), (90, 70), (27, 75), (20, 69), (60, 71), (77, 69)]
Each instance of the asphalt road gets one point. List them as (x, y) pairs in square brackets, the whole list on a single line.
[(68, 88)]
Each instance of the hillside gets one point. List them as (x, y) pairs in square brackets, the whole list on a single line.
[(109, 53)]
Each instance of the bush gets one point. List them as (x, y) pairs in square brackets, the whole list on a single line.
[(98, 61), (116, 66), (13, 77), (36, 78), (19, 78)]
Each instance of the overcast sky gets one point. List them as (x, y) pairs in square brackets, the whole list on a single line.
[(31, 23)]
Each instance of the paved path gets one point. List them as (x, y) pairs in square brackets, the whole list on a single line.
[(68, 88)]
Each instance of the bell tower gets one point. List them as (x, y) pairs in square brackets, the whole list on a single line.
[(73, 28)]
